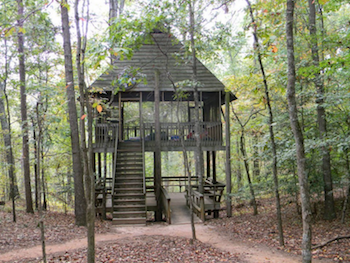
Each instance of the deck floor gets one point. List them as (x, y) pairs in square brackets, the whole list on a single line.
[(180, 213)]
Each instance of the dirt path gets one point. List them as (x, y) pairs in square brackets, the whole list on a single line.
[(249, 252)]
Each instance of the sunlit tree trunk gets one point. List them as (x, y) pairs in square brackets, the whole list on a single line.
[(80, 203), (86, 147), (22, 79), (271, 130), (298, 136)]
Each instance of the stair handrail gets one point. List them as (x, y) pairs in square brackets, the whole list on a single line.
[(115, 157)]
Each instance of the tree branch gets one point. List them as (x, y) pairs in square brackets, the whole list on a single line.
[(330, 241)]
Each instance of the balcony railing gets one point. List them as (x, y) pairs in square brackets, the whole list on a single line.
[(105, 135), (170, 134)]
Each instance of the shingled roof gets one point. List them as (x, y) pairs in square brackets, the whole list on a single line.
[(165, 54)]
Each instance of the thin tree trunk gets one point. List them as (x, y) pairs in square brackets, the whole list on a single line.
[(197, 129), (246, 165), (347, 192), (80, 202), (299, 140), (86, 149), (184, 151), (329, 209), (271, 131), (25, 140), (238, 171), (6, 129), (38, 167), (35, 167)]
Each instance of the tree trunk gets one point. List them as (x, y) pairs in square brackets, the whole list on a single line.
[(25, 140), (238, 167), (246, 165), (271, 131), (6, 129), (199, 161), (38, 167), (35, 167), (80, 202), (299, 140), (228, 155), (157, 153), (347, 192), (87, 153), (329, 209)]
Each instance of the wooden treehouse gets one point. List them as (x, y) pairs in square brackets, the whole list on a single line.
[(141, 115)]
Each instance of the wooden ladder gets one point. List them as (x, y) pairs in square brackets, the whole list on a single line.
[(129, 202)]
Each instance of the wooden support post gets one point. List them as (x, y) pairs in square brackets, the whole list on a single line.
[(214, 166), (208, 164), (99, 165), (157, 153), (94, 164), (228, 155)]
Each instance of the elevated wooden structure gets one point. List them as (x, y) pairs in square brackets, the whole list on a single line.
[(149, 82)]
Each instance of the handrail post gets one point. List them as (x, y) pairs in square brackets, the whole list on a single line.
[(202, 206)]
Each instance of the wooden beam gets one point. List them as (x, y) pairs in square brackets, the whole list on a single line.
[(228, 155)]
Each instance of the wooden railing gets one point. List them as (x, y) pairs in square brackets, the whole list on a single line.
[(106, 135), (165, 202), (197, 202), (173, 181), (103, 187), (206, 202), (115, 160), (171, 133)]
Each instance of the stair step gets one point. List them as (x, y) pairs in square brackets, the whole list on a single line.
[(129, 169), (129, 214), (129, 221), (130, 207), (130, 200), (126, 195), (129, 176), (128, 184), (134, 189)]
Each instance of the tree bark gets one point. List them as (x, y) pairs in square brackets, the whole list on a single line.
[(271, 131), (80, 202), (298, 136), (329, 209), (25, 140)]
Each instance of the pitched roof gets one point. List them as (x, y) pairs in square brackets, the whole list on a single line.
[(165, 54)]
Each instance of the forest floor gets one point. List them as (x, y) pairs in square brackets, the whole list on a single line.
[(241, 238)]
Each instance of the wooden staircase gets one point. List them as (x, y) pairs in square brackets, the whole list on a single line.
[(129, 201)]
